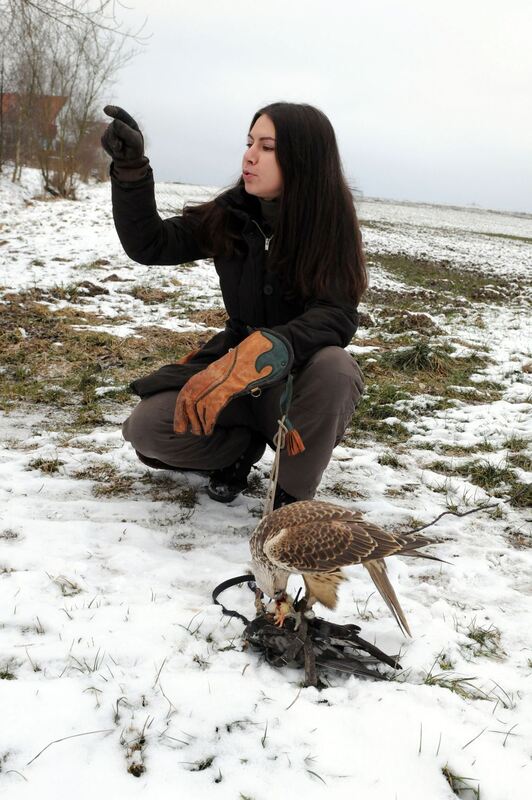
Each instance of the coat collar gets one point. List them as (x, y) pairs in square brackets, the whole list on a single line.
[(240, 202)]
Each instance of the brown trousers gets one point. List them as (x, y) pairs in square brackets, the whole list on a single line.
[(326, 392)]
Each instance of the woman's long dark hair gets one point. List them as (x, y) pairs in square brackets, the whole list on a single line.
[(317, 246)]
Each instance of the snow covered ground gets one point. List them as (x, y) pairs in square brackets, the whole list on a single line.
[(117, 673)]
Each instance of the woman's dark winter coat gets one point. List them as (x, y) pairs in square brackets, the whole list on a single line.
[(254, 297)]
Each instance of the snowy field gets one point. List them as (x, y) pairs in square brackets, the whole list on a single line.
[(118, 675)]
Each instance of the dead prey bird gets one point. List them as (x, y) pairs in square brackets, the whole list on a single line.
[(316, 539), (317, 645), (306, 640)]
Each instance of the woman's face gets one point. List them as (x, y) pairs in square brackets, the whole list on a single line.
[(260, 168)]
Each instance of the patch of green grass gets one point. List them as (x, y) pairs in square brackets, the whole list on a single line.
[(460, 686), (423, 445), (444, 662), (455, 450), (89, 413), (511, 236), (88, 416), (395, 375), (37, 370), (486, 446), (364, 425), (385, 394), (389, 460), (479, 393), (480, 472), (374, 224), (120, 394), (376, 405), (520, 494), (445, 279), (485, 474), (421, 357), (428, 369), (497, 479), (521, 461), (485, 641), (515, 443), (403, 301)]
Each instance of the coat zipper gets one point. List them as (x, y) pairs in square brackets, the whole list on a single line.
[(267, 239)]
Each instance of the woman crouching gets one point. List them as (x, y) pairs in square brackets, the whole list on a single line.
[(287, 248)]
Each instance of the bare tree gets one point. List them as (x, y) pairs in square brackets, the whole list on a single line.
[(2, 76), (66, 56), (102, 14)]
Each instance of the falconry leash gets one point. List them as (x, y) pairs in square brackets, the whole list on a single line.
[(286, 437)]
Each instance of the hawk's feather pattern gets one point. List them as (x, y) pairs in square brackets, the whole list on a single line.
[(315, 539)]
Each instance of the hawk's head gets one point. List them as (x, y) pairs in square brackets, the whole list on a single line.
[(269, 578)]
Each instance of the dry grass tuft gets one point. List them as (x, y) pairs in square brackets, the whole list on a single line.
[(151, 295), (210, 317), (48, 359), (460, 786), (47, 465), (411, 321)]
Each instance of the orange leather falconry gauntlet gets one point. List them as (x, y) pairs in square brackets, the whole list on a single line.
[(263, 359)]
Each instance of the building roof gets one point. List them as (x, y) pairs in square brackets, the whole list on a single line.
[(46, 106)]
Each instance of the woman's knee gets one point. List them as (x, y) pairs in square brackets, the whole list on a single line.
[(150, 419), (334, 370), (150, 430), (332, 360), (137, 426)]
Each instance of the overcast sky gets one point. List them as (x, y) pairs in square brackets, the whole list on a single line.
[(430, 101)]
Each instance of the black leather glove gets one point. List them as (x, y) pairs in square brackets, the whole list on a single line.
[(124, 142)]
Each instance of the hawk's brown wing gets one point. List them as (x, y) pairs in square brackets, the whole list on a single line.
[(327, 544), (311, 511)]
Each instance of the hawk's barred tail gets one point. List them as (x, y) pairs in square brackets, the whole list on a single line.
[(379, 576)]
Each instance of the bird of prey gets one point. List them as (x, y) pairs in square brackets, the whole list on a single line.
[(316, 539)]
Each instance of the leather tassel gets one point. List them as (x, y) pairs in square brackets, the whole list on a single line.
[(294, 443)]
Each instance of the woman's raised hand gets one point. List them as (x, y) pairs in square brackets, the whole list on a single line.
[(122, 139)]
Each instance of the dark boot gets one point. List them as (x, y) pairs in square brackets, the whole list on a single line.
[(282, 498), (227, 483)]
